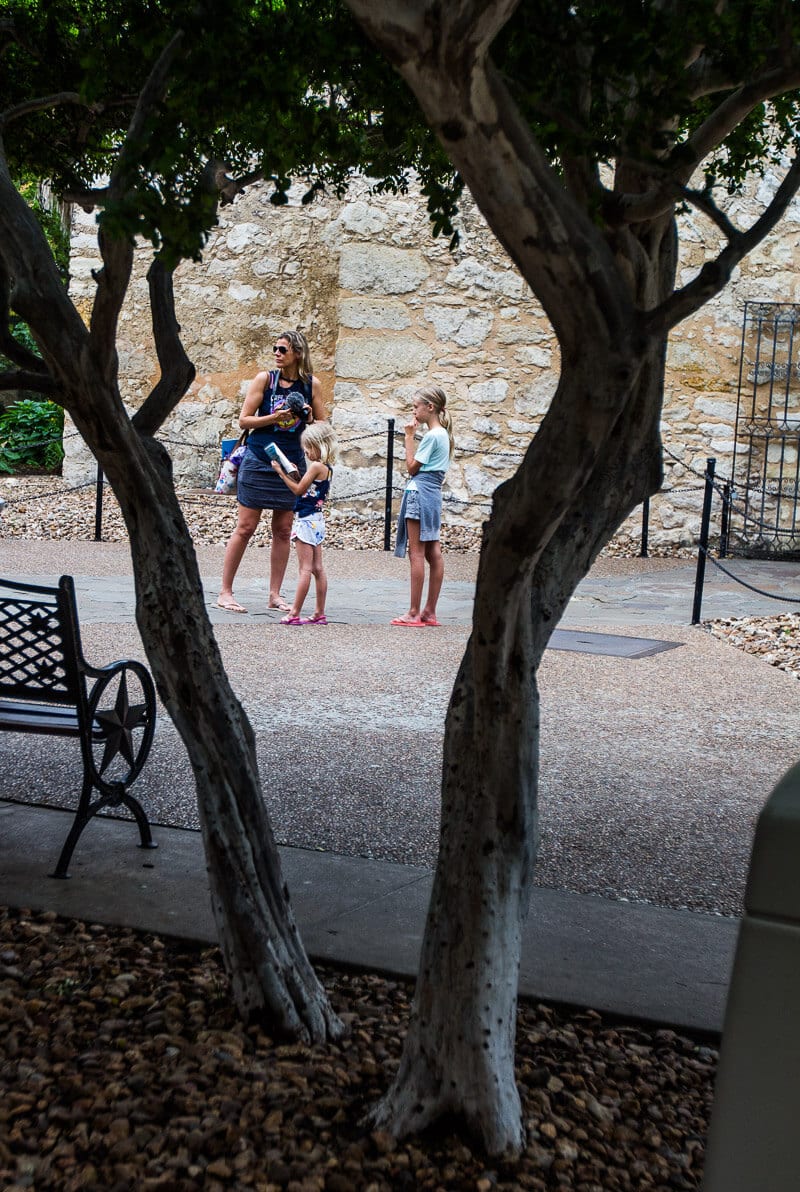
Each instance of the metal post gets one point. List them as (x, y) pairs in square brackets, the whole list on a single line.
[(645, 527), (702, 546), (98, 506), (725, 524), (387, 515)]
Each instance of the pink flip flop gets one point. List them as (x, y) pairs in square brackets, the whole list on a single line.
[(293, 621), (320, 620), (432, 623), (404, 623)]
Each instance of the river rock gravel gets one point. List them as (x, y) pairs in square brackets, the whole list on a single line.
[(124, 1068)]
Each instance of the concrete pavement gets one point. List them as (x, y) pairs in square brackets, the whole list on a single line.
[(624, 954)]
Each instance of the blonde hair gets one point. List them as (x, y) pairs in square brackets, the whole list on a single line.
[(299, 345), (321, 436), (435, 397)]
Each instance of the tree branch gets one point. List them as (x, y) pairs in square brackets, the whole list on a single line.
[(704, 77), (9, 346), (706, 204), (87, 200), (177, 370), (117, 252), (715, 274), (217, 179), (517, 190), (38, 105), (479, 20), (779, 78), (36, 382), (661, 200), (676, 170)]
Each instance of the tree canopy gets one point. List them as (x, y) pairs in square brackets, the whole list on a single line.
[(265, 90)]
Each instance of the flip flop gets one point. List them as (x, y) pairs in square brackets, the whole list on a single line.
[(406, 624), (231, 606), (280, 607), (293, 621), (320, 620), (432, 623)]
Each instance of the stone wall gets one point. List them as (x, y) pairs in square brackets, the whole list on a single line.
[(387, 308)]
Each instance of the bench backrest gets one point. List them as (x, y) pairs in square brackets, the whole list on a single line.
[(40, 650)]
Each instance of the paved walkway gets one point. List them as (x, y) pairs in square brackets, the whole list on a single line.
[(623, 954)]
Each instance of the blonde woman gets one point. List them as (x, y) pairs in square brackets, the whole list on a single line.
[(276, 408), (308, 530), (420, 517)]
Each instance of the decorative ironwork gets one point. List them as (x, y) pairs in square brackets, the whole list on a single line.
[(764, 519), (47, 686)]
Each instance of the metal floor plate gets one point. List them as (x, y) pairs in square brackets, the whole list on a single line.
[(614, 645)]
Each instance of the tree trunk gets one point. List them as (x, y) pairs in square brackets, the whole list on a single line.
[(270, 973), (541, 540), (459, 1054)]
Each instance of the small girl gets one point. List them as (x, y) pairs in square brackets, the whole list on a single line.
[(308, 530), (420, 516)]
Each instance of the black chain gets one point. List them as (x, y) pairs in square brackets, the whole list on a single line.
[(744, 583)]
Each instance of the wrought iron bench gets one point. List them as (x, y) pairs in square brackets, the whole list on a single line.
[(47, 686)]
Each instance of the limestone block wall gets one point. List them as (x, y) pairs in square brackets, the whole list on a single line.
[(387, 308)]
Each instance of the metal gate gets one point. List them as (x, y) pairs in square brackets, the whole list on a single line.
[(764, 520)]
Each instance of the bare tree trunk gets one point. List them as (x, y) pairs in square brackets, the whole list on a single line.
[(459, 1053), (541, 541), (271, 975)]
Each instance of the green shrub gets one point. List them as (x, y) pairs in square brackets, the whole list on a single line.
[(30, 436)]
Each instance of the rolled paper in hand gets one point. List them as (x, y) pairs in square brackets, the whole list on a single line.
[(289, 468)]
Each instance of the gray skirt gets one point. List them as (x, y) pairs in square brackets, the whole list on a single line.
[(259, 487)]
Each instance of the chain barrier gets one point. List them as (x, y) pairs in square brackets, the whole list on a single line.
[(23, 500), (745, 584), (391, 489), (704, 554), (725, 489), (690, 467)]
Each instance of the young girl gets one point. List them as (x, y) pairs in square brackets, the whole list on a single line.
[(420, 515), (308, 530)]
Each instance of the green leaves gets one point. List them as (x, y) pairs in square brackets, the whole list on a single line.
[(30, 436), (290, 89)]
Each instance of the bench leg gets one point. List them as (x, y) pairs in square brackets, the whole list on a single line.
[(145, 835), (78, 825), (85, 812)]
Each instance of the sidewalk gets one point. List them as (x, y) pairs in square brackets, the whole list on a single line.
[(656, 837)]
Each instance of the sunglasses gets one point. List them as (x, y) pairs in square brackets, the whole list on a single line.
[(280, 349)]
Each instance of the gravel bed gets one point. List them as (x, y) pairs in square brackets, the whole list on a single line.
[(775, 640), (124, 1068), (43, 507)]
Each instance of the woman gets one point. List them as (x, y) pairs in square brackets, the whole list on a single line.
[(268, 418)]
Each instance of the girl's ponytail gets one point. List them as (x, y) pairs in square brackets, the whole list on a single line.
[(447, 423), (435, 397)]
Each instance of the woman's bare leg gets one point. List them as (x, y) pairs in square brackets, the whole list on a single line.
[(237, 544), (279, 551)]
